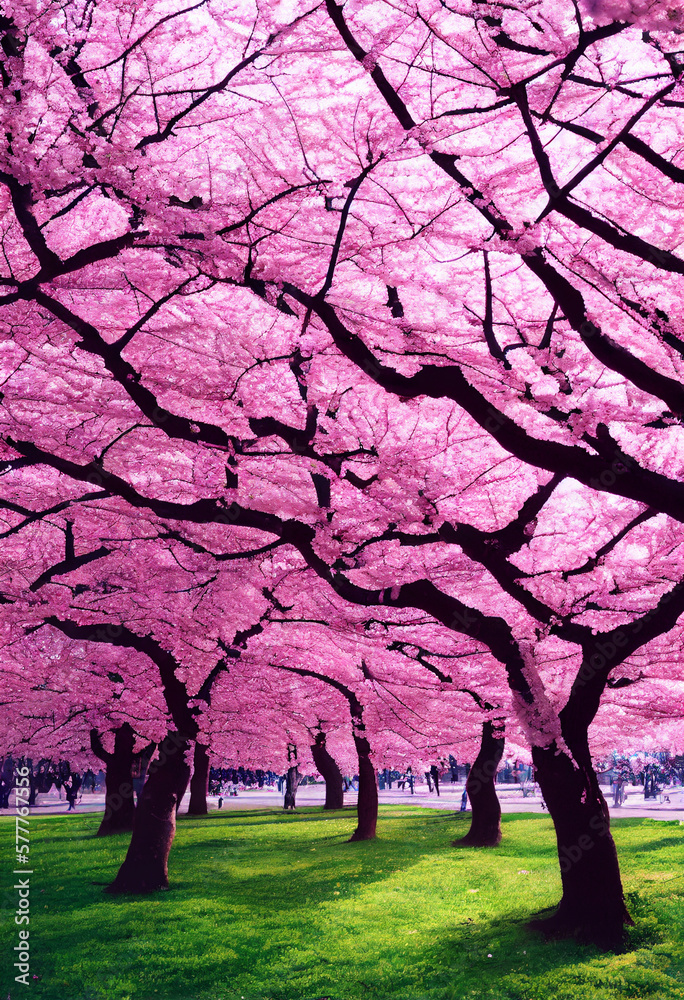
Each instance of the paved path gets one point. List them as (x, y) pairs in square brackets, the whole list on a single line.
[(510, 796)]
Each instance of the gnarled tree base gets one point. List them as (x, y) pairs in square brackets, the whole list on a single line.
[(139, 880), (485, 824), (145, 867), (361, 835), (119, 802), (592, 908), (292, 782), (605, 930), (367, 801), (491, 839), (328, 769)]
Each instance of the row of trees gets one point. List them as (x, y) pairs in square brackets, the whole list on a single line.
[(343, 343)]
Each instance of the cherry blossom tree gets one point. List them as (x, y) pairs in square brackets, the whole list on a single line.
[(377, 302), (330, 682), (62, 703)]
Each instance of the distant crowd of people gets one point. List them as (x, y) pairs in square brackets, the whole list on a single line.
[(655, 777)]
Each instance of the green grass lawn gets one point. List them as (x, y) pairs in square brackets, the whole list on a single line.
[(268, 906)]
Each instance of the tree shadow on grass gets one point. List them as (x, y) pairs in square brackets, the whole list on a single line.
[(658, 845), (254, 817), (224, 854), (300, 874)]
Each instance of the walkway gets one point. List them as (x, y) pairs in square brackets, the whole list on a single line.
[(511, 798)]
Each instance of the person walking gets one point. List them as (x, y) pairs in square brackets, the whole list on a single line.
[(71, 791)]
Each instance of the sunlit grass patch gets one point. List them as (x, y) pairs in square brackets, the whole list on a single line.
[(268, 906)]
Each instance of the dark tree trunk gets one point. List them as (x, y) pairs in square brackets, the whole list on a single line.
[(145, 867), (119, 803), (485, 824), (330, 772), (183, 782), (592, 907), (142, 760), (291, 785), (199, 783), (367, 803)]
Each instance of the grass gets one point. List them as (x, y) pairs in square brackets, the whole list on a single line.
[(268, 906)]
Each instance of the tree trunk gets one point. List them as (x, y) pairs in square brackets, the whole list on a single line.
[(330, 772), (199, 783), (145, 867), (291, 785), (367, 803), (33, 784), (183, 782), (141, 763), (119, 804), (485, 824), (592, 907)]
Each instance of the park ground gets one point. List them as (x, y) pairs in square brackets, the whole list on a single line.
[(271, 906)]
